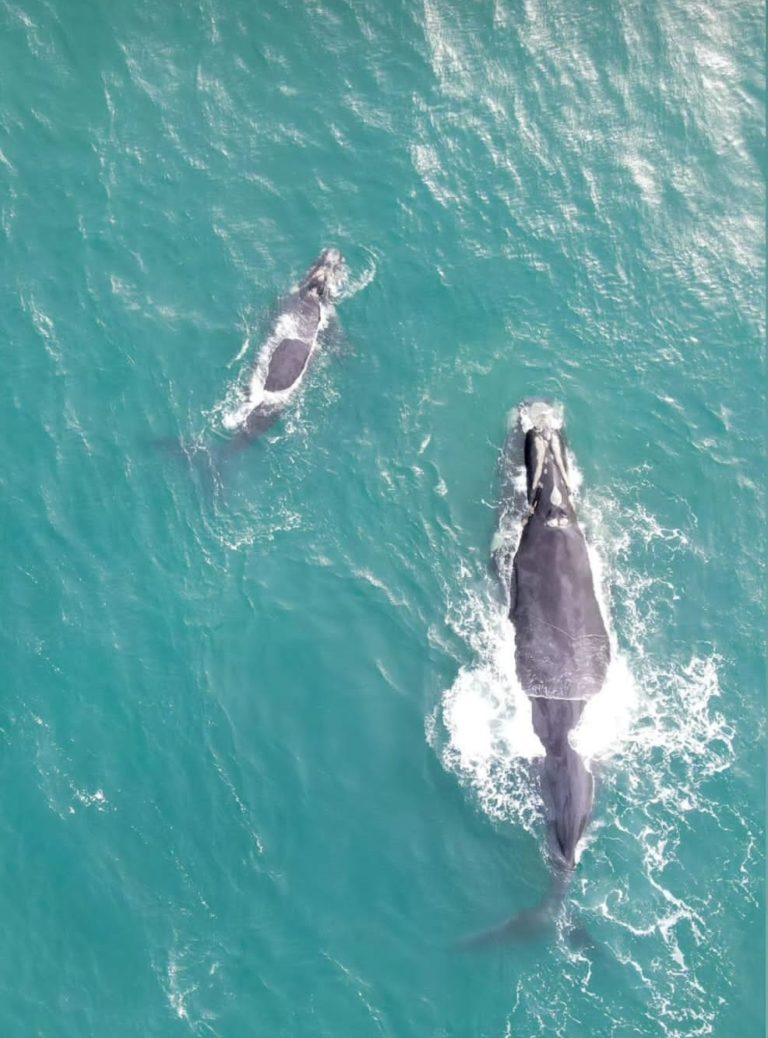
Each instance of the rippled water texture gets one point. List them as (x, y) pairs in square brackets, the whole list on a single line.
[(264, 758)]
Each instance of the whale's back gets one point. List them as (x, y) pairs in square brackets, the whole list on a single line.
[(562, 647), (286, 364)]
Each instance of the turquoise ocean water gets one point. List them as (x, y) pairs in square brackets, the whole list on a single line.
[(263, 762)]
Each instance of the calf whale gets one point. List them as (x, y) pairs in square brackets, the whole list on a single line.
[(562, 650), (285, 357)]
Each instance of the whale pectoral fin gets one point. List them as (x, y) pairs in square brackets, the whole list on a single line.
[(580, 939)]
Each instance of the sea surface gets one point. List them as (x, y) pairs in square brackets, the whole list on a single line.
[(264, 761)]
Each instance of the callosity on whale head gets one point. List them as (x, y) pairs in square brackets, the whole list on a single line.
[(325, 277), (546, 463)]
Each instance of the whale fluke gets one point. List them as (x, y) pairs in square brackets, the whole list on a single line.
[(526, 925)]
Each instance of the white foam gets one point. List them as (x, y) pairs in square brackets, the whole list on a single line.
[(349, 286), (177, 994), (607, 719), (537, 414), (482, 728), (89, 799)]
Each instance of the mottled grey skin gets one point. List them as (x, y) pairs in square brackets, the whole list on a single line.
[(291, 356), (562, 647), (286, 364)]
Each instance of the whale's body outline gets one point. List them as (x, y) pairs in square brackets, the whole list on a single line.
[(562, 647), (281, 364)]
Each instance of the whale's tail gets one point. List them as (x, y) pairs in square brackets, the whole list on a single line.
[(205, 463), (209, 460), (528, 924), (568, 790)]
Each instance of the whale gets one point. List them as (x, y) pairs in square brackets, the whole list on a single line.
[(562, 648), (282, 362)]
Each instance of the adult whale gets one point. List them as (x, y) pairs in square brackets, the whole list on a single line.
[(562, 650), (284, 359)]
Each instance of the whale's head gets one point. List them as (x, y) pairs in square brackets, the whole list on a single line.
[(546, 463), (325, 277)]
